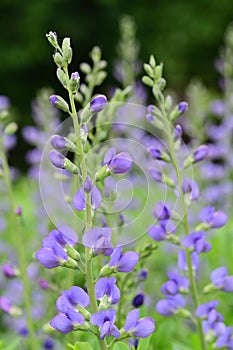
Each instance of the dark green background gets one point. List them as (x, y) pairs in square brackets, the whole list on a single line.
[(185, 35)]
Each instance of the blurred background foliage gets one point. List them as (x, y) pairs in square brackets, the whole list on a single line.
[(185, 35)]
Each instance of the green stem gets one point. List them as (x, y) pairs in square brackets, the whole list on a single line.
[(20, 244), (193, 286), (88, 221)]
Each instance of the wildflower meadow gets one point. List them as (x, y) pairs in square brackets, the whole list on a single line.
[(119, 236)]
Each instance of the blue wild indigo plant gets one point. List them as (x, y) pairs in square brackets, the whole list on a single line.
[(90, 290)]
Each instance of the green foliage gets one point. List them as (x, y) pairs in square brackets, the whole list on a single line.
[(120, 346), (80, 346), (144, 343)]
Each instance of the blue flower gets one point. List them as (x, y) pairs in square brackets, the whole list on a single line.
[(123, 262), (105, 321), (141, 328)]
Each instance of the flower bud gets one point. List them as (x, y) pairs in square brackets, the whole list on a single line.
[(200, 153), (59, 102), (98, 103), (52, 38), (57, 159), (74, 82), (67, 51)]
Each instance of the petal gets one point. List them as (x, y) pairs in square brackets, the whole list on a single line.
[(115, 257), (144, 327), (121, 163), (115, 295), (228, 284), (62, 324), (131, 319), (69, 235), (100, 287), (78, 296), (97, 319), (105, 329), (157, 233), (164, 308), (218, 276), (47, 258), (75, 316), (79, 201), (109, 155), (96, 198), (128, 261)]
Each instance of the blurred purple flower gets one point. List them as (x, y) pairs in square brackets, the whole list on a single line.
[(140, 328)]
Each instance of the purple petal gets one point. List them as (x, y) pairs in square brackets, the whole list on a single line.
[(157, 233), (144, 327), (164, 308), (69, 235), (131, 319), (96, 198), (47, 258), (121, 163), (115, 257), (78, 296), (79, 201), (161, 211), (218, 276), (62, 324), (109, 155), (75, 316), (228, 284), (128, 261)]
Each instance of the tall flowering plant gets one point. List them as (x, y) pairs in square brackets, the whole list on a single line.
[(97, 308), (183, 296)]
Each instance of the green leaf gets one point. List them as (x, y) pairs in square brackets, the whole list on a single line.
[(120, 346), (144, 343), (83, 346)]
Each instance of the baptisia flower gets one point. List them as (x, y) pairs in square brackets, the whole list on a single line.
[(140, 328), (162, 231), (54, 248), (221, 280), (105, 321), (99, 239), (182, 260), (175, 284), (195, 241), (212, 218), (71, 306), (190, 187), (106, 288), (170, 305), (98, 103), (79, 200), (123, 262), (117, 163)]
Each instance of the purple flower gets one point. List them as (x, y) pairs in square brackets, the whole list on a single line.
[(72, 298), (178, 131), (105, 321), (156, 174), (79, 200), (4, 102), (204, 309), (195, 241), (99, 239), (182, 107), (190, 186), (9, 271), (57, 159), (155, 153), (225, 340), (221, 280), (160, 232), (123, 262), (107, 287), (175, 285), (67, 323), (170, 305), (200, 153), (139, 328), (5, 305), (213, 219), (182, 260), (53, 252), (53, 100), (58, 142), (138, 300), (98, 103), (161, 211), (67, 304), (48, 343), (117, 163)]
